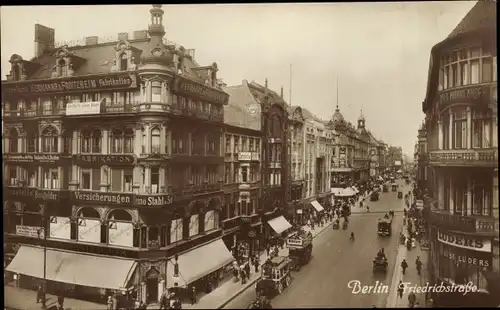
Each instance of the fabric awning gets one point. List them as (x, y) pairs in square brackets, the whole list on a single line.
[(347, 192), (317, 206), (336, 190), (279, 224), (199, 262), (74, 268), (380, 178), (356, 190)]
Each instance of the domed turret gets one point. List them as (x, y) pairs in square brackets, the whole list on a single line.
[(157, 52), (337, 116)]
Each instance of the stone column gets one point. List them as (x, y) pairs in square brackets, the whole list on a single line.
[(147, 183), (137, 185), (469, 128), (163, 138), (138, 140), (440, 189), (495, 202), (40, 177), (148, 91), (147, 143), (105, 141), (74, 142), (450, 131), (188, 146), (59, 144), (468, 211), (440, 135), (452, 196), (162, 184)]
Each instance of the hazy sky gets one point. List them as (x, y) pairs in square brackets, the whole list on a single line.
[(378, 51)]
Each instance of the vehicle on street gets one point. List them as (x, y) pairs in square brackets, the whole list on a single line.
[(400, 195), (380, 264), (394, 186), (336, 224), (275, 277), (299, 246), (384, 226), (385, 188), (374, 196)]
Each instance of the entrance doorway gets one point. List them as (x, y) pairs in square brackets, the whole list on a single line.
[(152, 280)]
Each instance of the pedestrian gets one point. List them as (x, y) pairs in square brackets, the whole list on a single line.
[(60, 301), (247, 269), (411, 299), (256, 263), (193, 295), (110, 302), (268, 249), (404, 265), (39, 294), (401, 288)]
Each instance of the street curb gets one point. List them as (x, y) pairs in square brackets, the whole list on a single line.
[(246, 287)]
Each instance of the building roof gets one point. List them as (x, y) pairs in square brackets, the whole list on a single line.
[(243, 110), (481, 17)]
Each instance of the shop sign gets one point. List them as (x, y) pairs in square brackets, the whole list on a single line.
[(101, 197), (202, 91), (39, 194), (154, 200), (100, 160), (467, 94), (30, 231), (470, 259), (21, 192), (465, 242), (252, 233), (83, 108), (246, 156), (74, 84), (48, 195), (31, 158)]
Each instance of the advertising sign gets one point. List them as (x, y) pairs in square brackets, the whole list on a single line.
[(471, 258), (121, 80), (89, 230), (108, 198), (247, 156), (31, 158), (83, 108), (202, 91), (467, 94), (153, 200), (121, 233), (60, 227), (99, 160), (465, 242), (30, 231)]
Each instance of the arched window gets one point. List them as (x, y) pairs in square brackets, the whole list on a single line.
[(123, 62), (31, 142), (89, 226), (89, 213), (128, 142), (119, 215), (116, 141), (63, 68), (16, 72), (13, 141), (274, 125), (156, 91), (50, 140), (91, 141), (155, 140)]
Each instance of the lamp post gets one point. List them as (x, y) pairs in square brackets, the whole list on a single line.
[(44, 283)]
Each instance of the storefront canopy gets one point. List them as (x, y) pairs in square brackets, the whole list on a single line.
[(199, 262), (336, 190), (73, 268), (356, 190), (347, 192), (317, 206), (380, 178), (279, 224)]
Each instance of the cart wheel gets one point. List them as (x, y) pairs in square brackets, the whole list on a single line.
[(288, 280), (280, 288)]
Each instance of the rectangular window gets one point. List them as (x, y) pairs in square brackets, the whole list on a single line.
[(227, 173), (477, 137), (155, 180), (96, 179), (176, 230), (244, 174), (236, 178), (474, 71), (487, 70), (210, 220), (85, 182), (128, 179), (228, 144), (456, 77), (116, 180), (13, 175), (32, 177), (464, 73), (51, 179), (475, 52), (441, 79), (445, 77), (194, 225)]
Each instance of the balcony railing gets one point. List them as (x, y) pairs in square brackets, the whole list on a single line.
[(479, 157)]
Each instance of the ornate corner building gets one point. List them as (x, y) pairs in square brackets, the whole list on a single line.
[(115, 149), (462, 149)]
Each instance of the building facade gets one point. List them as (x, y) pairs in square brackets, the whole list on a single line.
[(242, 172), (462, 144), (114, 149), (297, 161), (342, 162)]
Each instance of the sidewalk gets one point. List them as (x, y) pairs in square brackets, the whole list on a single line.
[(229, 290), (23, 299), (411, 276)]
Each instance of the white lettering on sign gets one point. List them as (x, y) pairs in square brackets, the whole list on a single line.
[(466, 259), (245, 156), (30, 231), (465, 242), (83, 108), (103, 197)]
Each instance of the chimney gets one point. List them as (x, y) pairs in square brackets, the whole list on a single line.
[(94, 40), (123, 36), (140, 34), (44, 39)]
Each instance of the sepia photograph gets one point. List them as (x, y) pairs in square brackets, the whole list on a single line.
[(250, 155)]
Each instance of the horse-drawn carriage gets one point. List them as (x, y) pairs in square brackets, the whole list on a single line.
[(275, 277)]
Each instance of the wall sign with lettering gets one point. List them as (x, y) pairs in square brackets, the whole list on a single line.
[(102, 197), (465, 242), (453, 222), (73, 84), (199, 90), (27, 158), (472, 258), (154, 200), (100, 160), (472, 94), (37, 194)]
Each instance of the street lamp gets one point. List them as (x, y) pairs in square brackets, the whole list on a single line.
[(44, 283)]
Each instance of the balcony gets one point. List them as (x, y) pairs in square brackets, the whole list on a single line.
[(196, 113), (464, 158), (445, 220), (248, 156)]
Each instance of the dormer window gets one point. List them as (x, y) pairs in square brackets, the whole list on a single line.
[(156, 91), (63, 69), (123, 62), (16, 72)]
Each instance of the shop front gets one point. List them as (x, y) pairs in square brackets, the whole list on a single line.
[(76, 274), (201, 267), (461, 259), (277, 228)]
